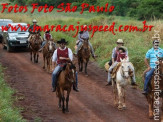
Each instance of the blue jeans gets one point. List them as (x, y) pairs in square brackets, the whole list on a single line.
[(54, 75), (43, 44), (147, 79)]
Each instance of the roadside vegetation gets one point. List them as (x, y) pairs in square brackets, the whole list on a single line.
[(8, 112)]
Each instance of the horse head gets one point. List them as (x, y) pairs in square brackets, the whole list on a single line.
[(125, 68), (86, 46), (70, 71), (51, 45), (36, 39)]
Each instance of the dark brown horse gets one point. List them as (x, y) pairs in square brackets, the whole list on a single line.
[(48, 51), (35, 44), (84, 55), (65, 81), (156, 84)]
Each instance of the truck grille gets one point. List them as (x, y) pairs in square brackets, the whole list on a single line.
[(22, 38)]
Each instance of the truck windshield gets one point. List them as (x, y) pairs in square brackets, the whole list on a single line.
[(4, 23), (16, 29)]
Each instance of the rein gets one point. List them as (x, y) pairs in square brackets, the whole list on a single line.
[(122, 72)]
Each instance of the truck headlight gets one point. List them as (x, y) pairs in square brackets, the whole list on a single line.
[(12, 38)]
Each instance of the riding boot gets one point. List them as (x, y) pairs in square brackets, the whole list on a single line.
[(40, 49), (29, 44), (75, 88), (53, 89)]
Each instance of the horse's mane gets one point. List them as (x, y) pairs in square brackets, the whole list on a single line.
[(72, 66)]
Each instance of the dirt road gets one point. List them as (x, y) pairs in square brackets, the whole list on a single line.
[(94, 102)]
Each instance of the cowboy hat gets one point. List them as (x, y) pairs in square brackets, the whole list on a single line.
[(120, 41), (62, 41), (34, 21), (47, 31), (124, 49)]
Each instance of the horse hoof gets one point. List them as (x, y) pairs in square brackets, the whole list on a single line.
[(116, 104), (150, 117), (86, 75), (43, 67), (124, 107), (60, 108), (67, 110), (120, 108), (63, 111)]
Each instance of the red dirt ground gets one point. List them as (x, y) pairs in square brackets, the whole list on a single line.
[(94, 102)]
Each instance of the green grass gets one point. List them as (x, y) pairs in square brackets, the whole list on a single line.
[(137, 43), (8, 112)]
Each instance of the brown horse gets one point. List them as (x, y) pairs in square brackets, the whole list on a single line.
[(35, 44), (84, 55), (48, 51), (156, 84), (65, 81)]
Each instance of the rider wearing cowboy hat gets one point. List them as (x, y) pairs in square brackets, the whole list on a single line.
[(47, 36), (120, 52), (151, 55), (81, 36), (61, 56), (33, 30)]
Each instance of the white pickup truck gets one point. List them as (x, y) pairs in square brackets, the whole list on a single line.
[(3, 22), (16, 38)]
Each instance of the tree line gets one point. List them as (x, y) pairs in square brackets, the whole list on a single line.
[(139, 9)]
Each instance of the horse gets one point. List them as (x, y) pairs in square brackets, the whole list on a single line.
[(35, 44), (120, 82), (48, 51), (64, 83), (84, 55), (156, 81)]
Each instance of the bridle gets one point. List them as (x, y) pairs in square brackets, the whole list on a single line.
[(122, 72), (71, 68)]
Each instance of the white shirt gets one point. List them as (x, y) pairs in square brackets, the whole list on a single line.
[(70, 54)]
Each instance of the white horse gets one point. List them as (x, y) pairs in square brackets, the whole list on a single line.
[(120, 82)]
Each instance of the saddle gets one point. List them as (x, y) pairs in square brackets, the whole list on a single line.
[(115, 69), (58, 73)]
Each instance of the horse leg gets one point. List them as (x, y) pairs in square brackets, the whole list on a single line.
[(59, 102), (162, 111), (115, 94), (34, 56), (119, 97), (44, 62), (37, 57), (86, 68), (150, 108), (48, 65), (67, 100), (31, 55), (63, 100), (124, 98), (81, 69), (79, 63)]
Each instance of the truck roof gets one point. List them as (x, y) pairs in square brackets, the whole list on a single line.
[(6, 20), (18, 23)]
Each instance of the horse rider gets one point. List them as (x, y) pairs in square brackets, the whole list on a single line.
[(33, 30), (47, 36), (61, 56), (81, 37), (116, 56), (151, 55)]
